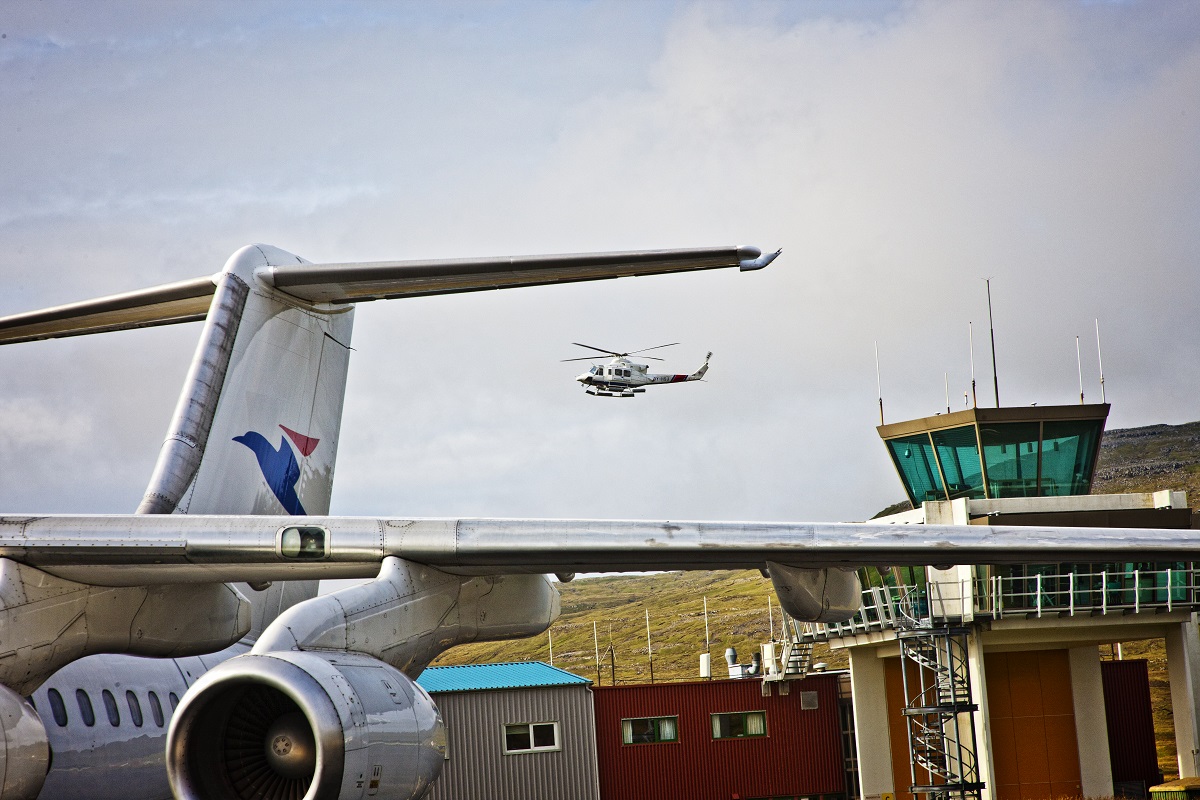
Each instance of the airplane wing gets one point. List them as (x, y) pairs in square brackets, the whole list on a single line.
[(131, 550), (188, 301)]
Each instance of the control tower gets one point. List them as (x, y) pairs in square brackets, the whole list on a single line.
[(987, 682), (990, 453)]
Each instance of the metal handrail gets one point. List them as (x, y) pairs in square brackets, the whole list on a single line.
[(1038, 594)]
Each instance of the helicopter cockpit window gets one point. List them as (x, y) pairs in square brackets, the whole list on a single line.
[(306, 542)]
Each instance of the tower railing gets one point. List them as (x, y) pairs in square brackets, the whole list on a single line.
[(1048, 592)]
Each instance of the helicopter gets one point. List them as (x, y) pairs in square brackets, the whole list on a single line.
[(621, 377)]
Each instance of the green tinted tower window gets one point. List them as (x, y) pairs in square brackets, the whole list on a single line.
[(958, 454), (918, 468), (1011, 453), (1068, 452)]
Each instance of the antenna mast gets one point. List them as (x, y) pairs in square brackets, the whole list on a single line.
[(878, 383), (971, 339), (1079, 365), (1101, 360), (992, 330)]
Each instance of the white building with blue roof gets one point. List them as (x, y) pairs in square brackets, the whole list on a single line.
[(519, 731)]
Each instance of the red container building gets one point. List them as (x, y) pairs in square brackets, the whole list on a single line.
[(720, 740)]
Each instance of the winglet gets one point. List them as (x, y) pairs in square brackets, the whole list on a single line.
[(757, 261)]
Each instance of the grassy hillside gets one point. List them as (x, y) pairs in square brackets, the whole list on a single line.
[(1131, 460), (612, 611)]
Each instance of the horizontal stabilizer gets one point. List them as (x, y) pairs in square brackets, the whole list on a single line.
[(352, 283), (188, 301), (185, 301)]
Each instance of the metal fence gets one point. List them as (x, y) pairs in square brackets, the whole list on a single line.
[(1041, 591)]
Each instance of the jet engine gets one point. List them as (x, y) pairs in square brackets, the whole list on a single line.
[(24, 748), (311, 725)]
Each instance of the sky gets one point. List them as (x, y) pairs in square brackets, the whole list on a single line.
[(899, 153)]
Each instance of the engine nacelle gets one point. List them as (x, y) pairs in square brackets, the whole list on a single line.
[(830, 594), (24, 748), (311, 725)]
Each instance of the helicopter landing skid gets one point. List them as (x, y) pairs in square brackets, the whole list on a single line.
[(605, 393)]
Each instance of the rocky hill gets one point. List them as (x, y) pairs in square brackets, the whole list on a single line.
[(1150, 458)]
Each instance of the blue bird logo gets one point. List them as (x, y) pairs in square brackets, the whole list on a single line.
[(279, 466)]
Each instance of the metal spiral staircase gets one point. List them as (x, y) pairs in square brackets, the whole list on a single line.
[(939, 711)]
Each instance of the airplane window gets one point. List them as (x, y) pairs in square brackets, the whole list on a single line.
[(110, 706), (58, 708), (85, 707), (156, 710), (135, 708), (302, 542), (174, 700)]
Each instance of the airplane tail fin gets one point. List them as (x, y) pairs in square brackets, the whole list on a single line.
[(257, 424), (256, 427), (699, 374)]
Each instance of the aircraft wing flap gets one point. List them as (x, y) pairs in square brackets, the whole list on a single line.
[(184, 301), (132, 549), (349, 283)]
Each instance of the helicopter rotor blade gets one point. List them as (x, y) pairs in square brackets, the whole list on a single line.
[(656, 347), (585, 358), (600, 349)]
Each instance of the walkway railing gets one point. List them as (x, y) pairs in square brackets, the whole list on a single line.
[(1035, 595)]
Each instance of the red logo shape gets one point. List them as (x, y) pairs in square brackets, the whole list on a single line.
[(305, 444)]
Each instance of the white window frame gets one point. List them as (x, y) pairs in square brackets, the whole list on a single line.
[(532, 747)]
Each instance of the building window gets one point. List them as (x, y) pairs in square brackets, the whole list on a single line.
[(531, 737), (737, 726), (649, 730)]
